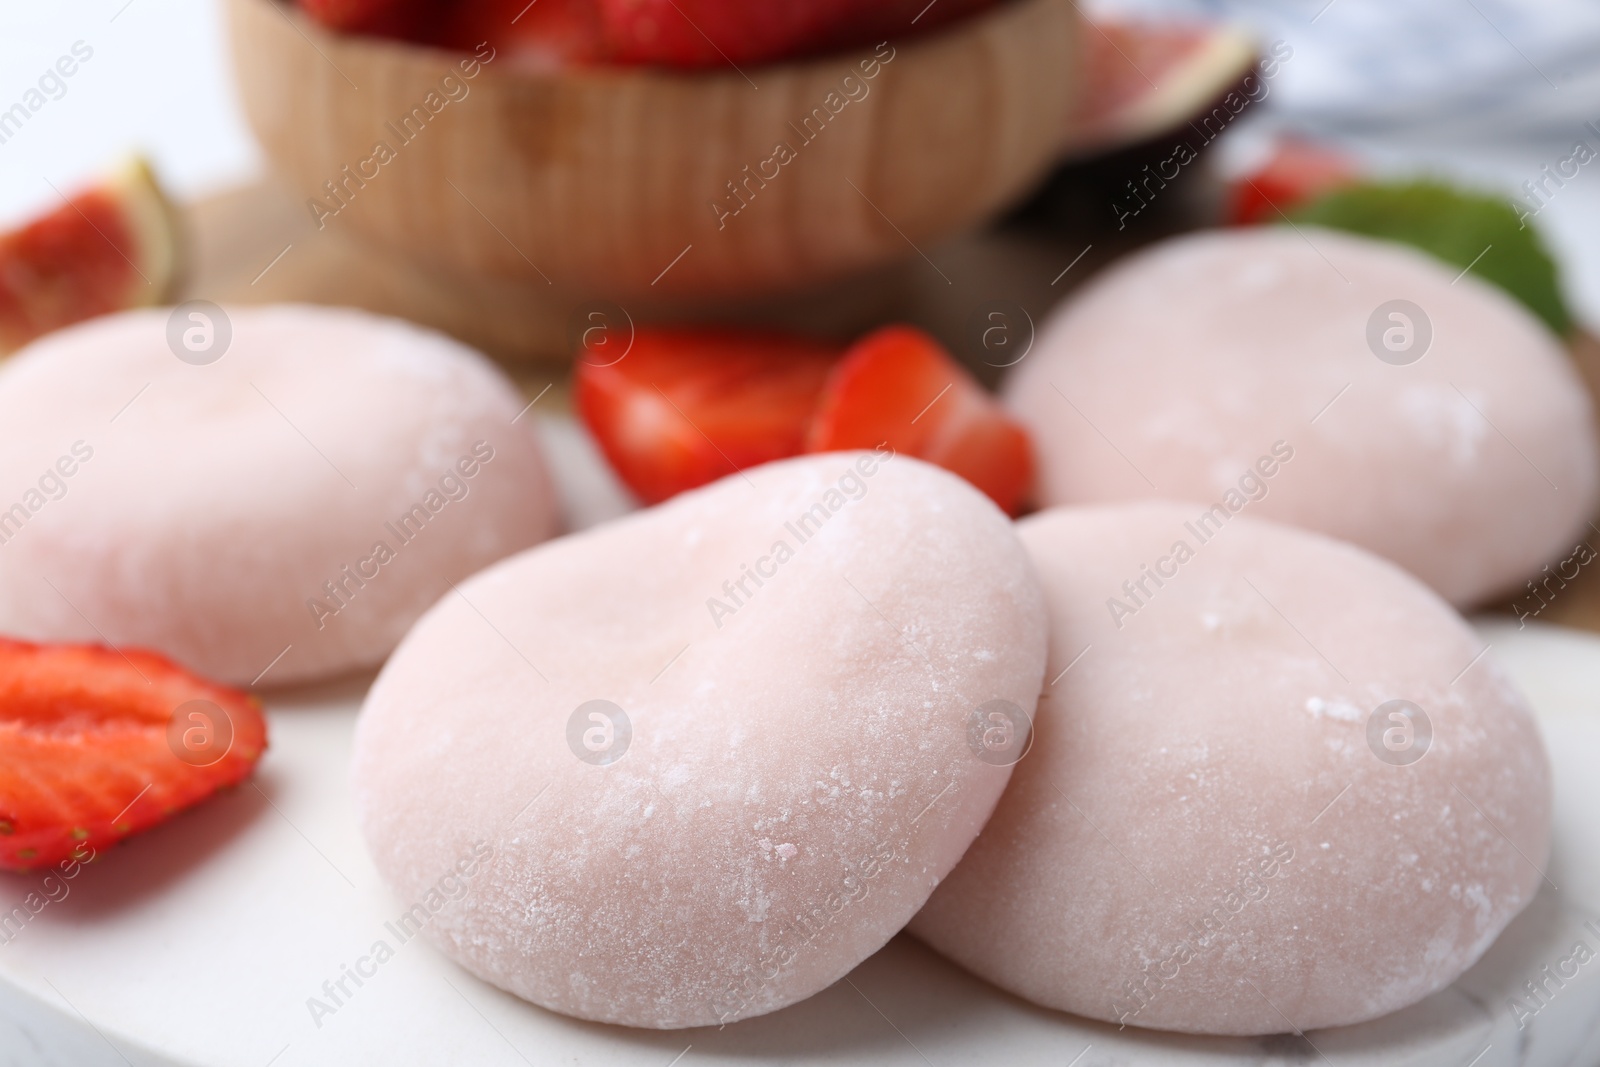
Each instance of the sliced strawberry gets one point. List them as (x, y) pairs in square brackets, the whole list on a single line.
[(900, 386), (97, 744), (686, 407), (1297, 174), (543, 35)]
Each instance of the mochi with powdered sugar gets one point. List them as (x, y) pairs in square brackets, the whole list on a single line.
[(1275, 785), (717, 752), (269, 494), (1432, 418)]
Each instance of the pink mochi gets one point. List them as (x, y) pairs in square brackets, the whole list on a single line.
[(1219, 828), (1471, 465), (795, 657), (284, 512)]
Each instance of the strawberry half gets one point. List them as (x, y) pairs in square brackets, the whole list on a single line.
[(97, 744), (686, 407), (900, 386)]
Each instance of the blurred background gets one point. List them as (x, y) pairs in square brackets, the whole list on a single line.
[(1488, 91)]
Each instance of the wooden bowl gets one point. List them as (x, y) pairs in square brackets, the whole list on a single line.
[(631, 182)]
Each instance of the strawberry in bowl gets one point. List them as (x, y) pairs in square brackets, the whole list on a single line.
[(684, 34)]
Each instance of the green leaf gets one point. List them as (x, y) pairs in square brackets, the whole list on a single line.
[(1456, 226)]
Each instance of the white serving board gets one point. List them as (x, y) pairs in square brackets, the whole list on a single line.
[(200, 943)]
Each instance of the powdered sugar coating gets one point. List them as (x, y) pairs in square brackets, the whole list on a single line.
[(797, 778), (1203, 838), (1173, 373), (208, 507)]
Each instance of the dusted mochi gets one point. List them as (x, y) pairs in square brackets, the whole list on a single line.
[(793, 658), (1173, 374), (305, 496), (1217, 830)]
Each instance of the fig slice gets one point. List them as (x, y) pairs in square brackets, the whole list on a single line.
[(109, 247), (1143, 78)]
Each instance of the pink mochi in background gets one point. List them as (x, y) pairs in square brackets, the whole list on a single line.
[(295, 503), (1220, 829), (1168, 376), (796, 663)]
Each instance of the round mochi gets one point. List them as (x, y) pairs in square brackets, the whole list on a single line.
[(295, 504), (792, 662), (1180, 373), (1220, 828)]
